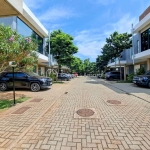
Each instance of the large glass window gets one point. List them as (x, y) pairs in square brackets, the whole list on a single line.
[(26, 31), (145, 40)]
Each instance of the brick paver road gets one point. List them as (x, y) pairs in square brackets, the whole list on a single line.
[(53, 123)]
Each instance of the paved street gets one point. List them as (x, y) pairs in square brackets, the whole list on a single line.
[(52, 122)]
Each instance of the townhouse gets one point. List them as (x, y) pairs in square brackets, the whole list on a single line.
[(16, 14), (139, 54)]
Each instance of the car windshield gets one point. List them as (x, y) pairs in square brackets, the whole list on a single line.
[(33, 74), (147, 73)]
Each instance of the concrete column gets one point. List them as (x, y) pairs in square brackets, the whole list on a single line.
[(37, 69), (124, 72), (148, 63)]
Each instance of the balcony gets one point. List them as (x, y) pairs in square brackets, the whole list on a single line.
[(142, 56)]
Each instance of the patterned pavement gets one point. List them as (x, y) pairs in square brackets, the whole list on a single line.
[(54, 124)]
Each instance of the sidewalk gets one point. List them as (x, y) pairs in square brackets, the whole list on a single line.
[(133, 89), (14, 126), (57, 122)]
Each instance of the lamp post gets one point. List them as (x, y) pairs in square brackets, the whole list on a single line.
[(13, 65), (49, 48), (133, 43)]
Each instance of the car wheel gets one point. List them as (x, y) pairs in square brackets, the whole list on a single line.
[(148, 84), (35, 87), (3, 87), (111, 78)]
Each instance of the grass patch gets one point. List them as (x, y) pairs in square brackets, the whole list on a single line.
[(59, 82), (122, 81), (5, 104)]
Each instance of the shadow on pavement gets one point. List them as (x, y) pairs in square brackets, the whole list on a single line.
[(122, 88)]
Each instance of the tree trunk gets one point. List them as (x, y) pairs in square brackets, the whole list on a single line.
[(115, 64), (120, 69), (59, 67)]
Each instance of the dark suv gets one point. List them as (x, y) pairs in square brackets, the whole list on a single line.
[(64, 76), (113, 75), (142, 80), (24, 80)]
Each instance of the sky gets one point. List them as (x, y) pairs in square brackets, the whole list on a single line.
[(90, 22)]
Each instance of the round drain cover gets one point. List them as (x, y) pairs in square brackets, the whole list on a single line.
[(85, 112), (114, 102)]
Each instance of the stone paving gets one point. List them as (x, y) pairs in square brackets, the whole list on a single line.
[(53, 123), (141, 92)]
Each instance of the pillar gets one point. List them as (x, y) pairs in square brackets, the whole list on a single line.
[(125, 73), (148, 63), (37, 69)]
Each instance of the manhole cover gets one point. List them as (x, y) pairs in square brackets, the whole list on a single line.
[(36, 100), (85, 112), (21, 110), (114, 102)]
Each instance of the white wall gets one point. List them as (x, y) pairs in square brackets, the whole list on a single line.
[(136, 67)]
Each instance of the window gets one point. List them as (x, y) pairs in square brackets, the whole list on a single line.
[(145, 40), (147, 73), (20, 75), (10, 75), (26, 31), (39, 70), (34, 69)]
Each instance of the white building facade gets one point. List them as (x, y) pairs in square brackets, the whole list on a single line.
[(16, 14), (139, 55)]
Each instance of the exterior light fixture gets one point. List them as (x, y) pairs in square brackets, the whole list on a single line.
[(13, 64)]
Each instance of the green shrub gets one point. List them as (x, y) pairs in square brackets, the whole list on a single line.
[(102, 75), (140, 71), (53, 76), (130, 77)]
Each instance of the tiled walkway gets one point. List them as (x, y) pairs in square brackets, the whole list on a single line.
[(53, 123)]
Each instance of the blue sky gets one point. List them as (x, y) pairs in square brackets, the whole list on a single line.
[(90, 22)]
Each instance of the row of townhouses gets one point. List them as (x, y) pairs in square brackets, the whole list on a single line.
[(16, 14), (138, 55)]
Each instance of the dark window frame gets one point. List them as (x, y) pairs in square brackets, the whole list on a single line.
[(145, 36)]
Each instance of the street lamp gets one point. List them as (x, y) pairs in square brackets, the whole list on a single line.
[(133, 43), (49, 48), (13, 65)]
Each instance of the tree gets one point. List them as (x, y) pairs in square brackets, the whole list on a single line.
[(119, 42), (14, 47), (62, 47), (76, 65), (86, 64), (92, 68)]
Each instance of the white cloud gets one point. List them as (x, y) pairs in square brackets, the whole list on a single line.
[(90, 42), (57, 13)]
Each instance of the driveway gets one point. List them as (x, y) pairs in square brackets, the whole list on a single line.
[(130, 88), (83, 114)]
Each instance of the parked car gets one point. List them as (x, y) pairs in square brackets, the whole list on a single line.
[(64, 77), (75, 74), (113, 75), (142, 80), (24, 80), (99, 76)]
